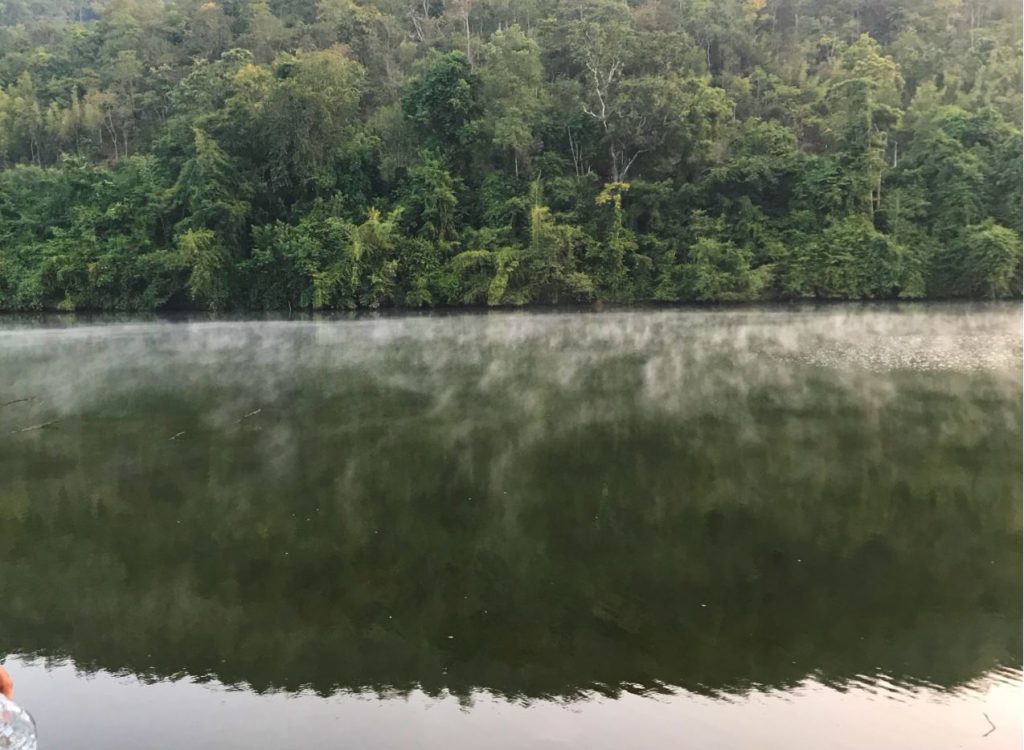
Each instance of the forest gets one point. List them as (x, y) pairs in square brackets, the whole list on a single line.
[(339, 154)]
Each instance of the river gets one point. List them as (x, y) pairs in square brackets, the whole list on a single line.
[(783, 527)]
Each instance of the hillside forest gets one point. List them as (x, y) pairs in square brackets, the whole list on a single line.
[(340, 154)]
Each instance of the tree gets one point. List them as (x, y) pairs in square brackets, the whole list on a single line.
[(668, 120), (513, 92), (208, 261), (719, 271), (206, 191), (429, 201), (864, 98), (549, 260), (601, 43), (309, 119), (849, 259), (984, 261), (443, 102)]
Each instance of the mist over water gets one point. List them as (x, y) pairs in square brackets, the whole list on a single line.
[(532, 507)]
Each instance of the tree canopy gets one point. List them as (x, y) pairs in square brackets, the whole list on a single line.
[(299, 154)]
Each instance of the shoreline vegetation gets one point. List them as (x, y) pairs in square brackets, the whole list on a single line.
[(195, 314), (297, 155)]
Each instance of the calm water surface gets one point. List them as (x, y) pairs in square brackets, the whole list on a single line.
[(772, 528)]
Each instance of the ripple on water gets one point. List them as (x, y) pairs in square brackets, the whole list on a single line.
[(915, 352)]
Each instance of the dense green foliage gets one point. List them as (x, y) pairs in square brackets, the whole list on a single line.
[(242, 154)]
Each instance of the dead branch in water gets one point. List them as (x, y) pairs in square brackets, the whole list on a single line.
[(18, 401), (42, 426), (250, 414), (990, 731), (177, 435)]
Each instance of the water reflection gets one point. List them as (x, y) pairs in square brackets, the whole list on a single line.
[(540, 507), (77, 712)]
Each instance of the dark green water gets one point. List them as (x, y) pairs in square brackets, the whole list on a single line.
[(647, 514)]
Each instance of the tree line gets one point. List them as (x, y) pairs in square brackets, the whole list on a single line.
[(334, 154)]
